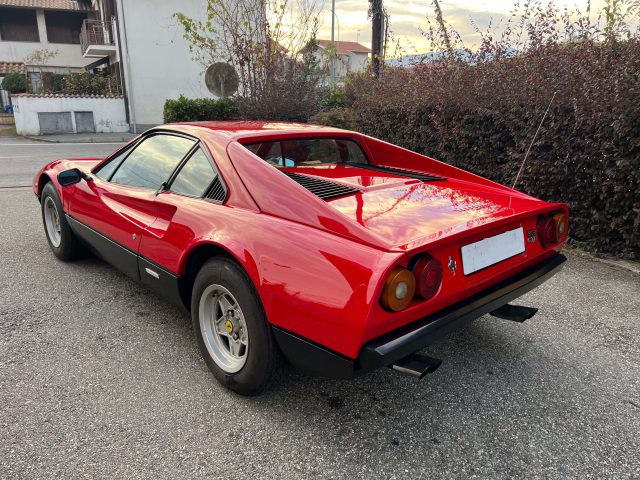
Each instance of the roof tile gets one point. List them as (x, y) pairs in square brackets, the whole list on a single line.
[(6, 67), (78, 5), (62, 95), (345, 48)]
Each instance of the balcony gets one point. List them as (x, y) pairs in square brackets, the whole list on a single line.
[(97, 39)]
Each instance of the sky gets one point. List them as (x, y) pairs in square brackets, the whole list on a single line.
[(407, 16)]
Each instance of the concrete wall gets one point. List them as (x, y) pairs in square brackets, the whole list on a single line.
[(358, 62), (158, 62), (108, 113), (68, 55)]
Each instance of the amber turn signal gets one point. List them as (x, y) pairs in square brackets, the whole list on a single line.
[(398, 289), (562, 226)]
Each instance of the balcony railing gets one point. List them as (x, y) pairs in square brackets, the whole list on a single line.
[(95, 33)]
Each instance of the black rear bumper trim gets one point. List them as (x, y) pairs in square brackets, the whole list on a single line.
[(393, 346), (398, 344)]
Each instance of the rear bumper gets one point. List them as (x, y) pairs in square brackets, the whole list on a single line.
[(393, 346)]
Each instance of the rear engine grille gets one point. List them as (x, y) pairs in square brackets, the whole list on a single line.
[(322, 188), (217, 191), (424, 177)]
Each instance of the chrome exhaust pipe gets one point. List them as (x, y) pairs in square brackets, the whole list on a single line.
[(416, 365)]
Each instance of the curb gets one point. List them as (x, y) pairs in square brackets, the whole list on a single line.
[(630, 266), (43, 139)]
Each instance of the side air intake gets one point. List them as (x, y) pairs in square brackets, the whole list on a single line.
[(322, 188)]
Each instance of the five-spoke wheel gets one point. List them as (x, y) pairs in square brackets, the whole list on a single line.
[(63, 242), (224, 329), (231, 328)]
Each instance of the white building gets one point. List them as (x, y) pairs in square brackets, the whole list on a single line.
[(351, 57), (29, 26), (138, 40)]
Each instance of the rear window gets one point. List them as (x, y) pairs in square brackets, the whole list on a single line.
[(309, 151)]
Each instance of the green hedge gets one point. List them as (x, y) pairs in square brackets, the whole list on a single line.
[(198, 109)]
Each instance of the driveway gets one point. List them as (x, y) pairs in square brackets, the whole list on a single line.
[(100, 378)]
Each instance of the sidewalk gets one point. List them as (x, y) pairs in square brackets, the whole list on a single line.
[(83, 137)]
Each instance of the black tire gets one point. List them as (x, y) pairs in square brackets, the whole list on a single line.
[(263, 358), (69, 247)]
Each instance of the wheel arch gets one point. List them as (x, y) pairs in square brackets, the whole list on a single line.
[(43, 179), (201, 253)]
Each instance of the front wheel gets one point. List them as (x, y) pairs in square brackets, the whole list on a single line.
[(63, 242), (231, 328)]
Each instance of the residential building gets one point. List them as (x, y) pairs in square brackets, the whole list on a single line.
[(139, 41), (351, 57), (143, 40), (29, 28)]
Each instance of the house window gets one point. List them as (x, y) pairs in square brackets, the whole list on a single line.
[(18, 25), (64, 27)]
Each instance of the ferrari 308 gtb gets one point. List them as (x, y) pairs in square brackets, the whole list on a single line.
[(331, 249)]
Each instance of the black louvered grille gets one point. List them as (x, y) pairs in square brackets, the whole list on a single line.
[(217, 191), (322, 188), (425, 177)]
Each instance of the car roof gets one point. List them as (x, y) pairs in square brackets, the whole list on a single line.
[(237, 129)]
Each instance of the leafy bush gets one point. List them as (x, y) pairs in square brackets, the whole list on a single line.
[(86, 84), (291, 98), (337, 117), (14, 83), (198, 109), (479, 111), (334, 97)]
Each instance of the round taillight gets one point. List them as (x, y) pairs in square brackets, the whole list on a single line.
[(428, 274), (562, 226), (398, 289), (547, 231)]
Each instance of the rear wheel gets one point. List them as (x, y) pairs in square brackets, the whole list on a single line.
[(63, 242), (231, 328)]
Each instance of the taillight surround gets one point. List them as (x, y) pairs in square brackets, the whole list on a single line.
[(421, 281), (552, 228)]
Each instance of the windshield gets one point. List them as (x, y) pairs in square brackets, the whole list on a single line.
[(309, 151)]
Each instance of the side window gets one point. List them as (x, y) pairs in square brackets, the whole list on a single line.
[(107, 170), (152, 161), (195, 176)]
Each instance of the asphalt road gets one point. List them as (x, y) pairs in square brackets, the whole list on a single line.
[(101, 379)]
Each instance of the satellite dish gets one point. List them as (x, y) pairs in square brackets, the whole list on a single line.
[(221, 79)]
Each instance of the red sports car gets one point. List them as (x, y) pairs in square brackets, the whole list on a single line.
[(332, 249)]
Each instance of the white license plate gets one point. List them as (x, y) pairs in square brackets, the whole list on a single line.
[(492, 250)]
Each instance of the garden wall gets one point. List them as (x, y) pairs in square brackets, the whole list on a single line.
[(38, 114)]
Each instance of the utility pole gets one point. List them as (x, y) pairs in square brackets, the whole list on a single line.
[(332, 64), (377, 18)]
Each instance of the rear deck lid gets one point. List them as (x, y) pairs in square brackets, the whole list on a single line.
[(407, 211)]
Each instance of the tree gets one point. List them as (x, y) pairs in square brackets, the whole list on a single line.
[(14, 83), (261, 39)]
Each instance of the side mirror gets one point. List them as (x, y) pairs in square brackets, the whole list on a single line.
[(71, 177)]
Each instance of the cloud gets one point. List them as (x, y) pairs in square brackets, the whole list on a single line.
[(407, 17)]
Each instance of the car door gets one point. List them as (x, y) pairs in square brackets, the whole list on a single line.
[(111, 211), (186, 211)]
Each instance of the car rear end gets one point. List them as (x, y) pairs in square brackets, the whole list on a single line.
[(463, 246), (437, 275)]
